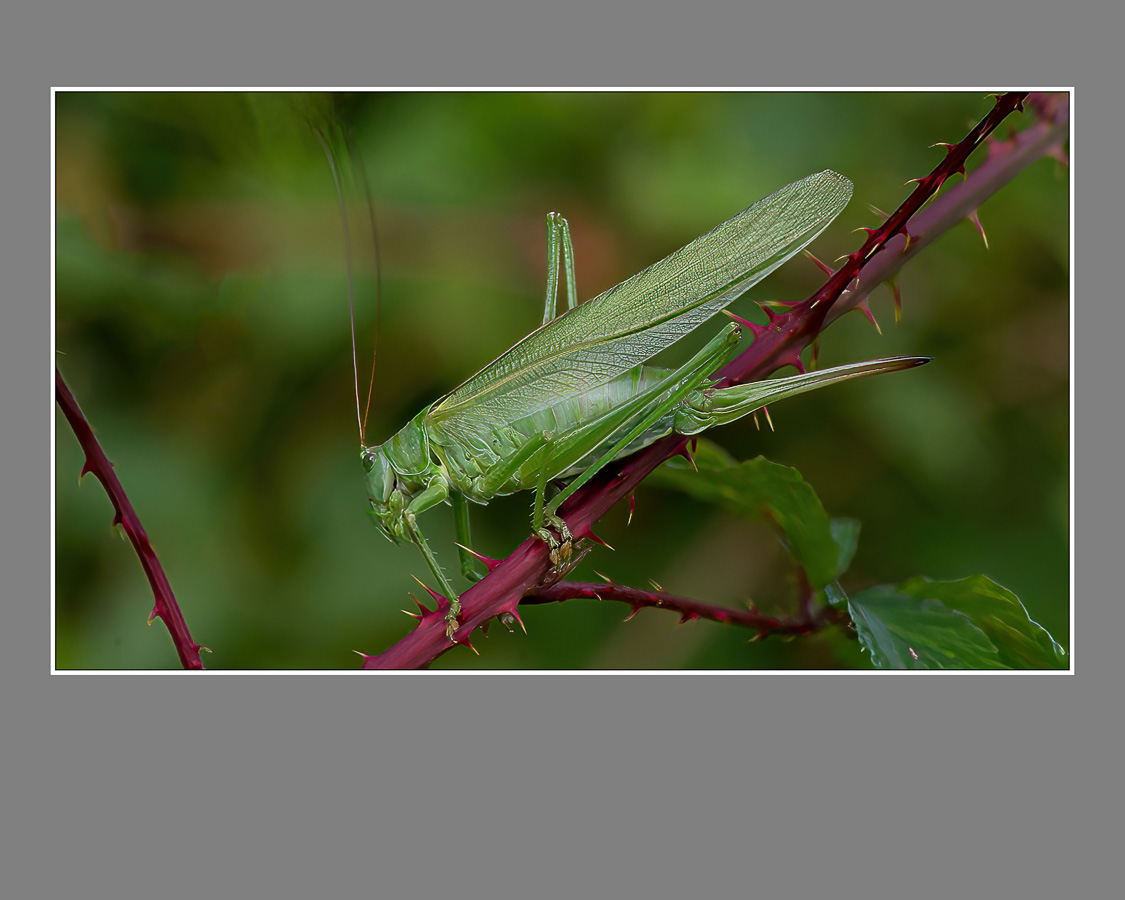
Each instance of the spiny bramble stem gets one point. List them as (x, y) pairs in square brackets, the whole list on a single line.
[(688, 609), (165, 608)]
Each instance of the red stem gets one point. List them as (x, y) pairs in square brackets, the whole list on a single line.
[(166, 608), (688, 609)]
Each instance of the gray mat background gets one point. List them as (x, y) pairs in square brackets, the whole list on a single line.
[(552, 786)]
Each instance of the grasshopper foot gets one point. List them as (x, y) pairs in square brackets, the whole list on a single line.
[(559, 548), (451, 623)]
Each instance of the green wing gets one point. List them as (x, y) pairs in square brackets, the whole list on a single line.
[(629, 323)]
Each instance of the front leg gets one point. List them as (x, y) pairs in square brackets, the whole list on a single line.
[(435, 492), (451, 623)]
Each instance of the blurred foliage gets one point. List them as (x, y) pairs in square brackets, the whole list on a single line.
[(201, 321)]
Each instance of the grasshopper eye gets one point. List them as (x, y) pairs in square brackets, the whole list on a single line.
[(367, 458)]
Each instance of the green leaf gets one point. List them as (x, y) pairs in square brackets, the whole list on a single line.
[(1021, 642), (905, 632), (761, 489), (845, 532)]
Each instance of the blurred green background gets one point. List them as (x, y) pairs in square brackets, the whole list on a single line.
[(201, 321)]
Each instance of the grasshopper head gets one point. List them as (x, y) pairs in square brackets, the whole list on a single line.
[(395, 471), (383, 490)]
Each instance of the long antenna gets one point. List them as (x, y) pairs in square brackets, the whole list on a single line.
[(361, 418), (357, 165)]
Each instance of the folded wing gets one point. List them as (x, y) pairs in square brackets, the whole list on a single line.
[(629, 323)]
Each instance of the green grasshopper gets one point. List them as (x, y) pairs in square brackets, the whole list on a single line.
[(573, 395)]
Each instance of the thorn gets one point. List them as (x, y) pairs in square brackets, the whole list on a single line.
[(882, 215), (824, 267), (757, 636), (765, 307), (412, 615), (974, 217), (752, 327), (792, 357), (867, 231), (741, 321), (865, 308), (438, 598), (469, 645), (506, 618), (898, 299), (597, 540), (603, 577), (769, 421), (489, 562), (421, 606), (781, 304), (656, 585), (943, 144), (686, 453), (633, 506), (757, 427), (636, 609), (687, 617)]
